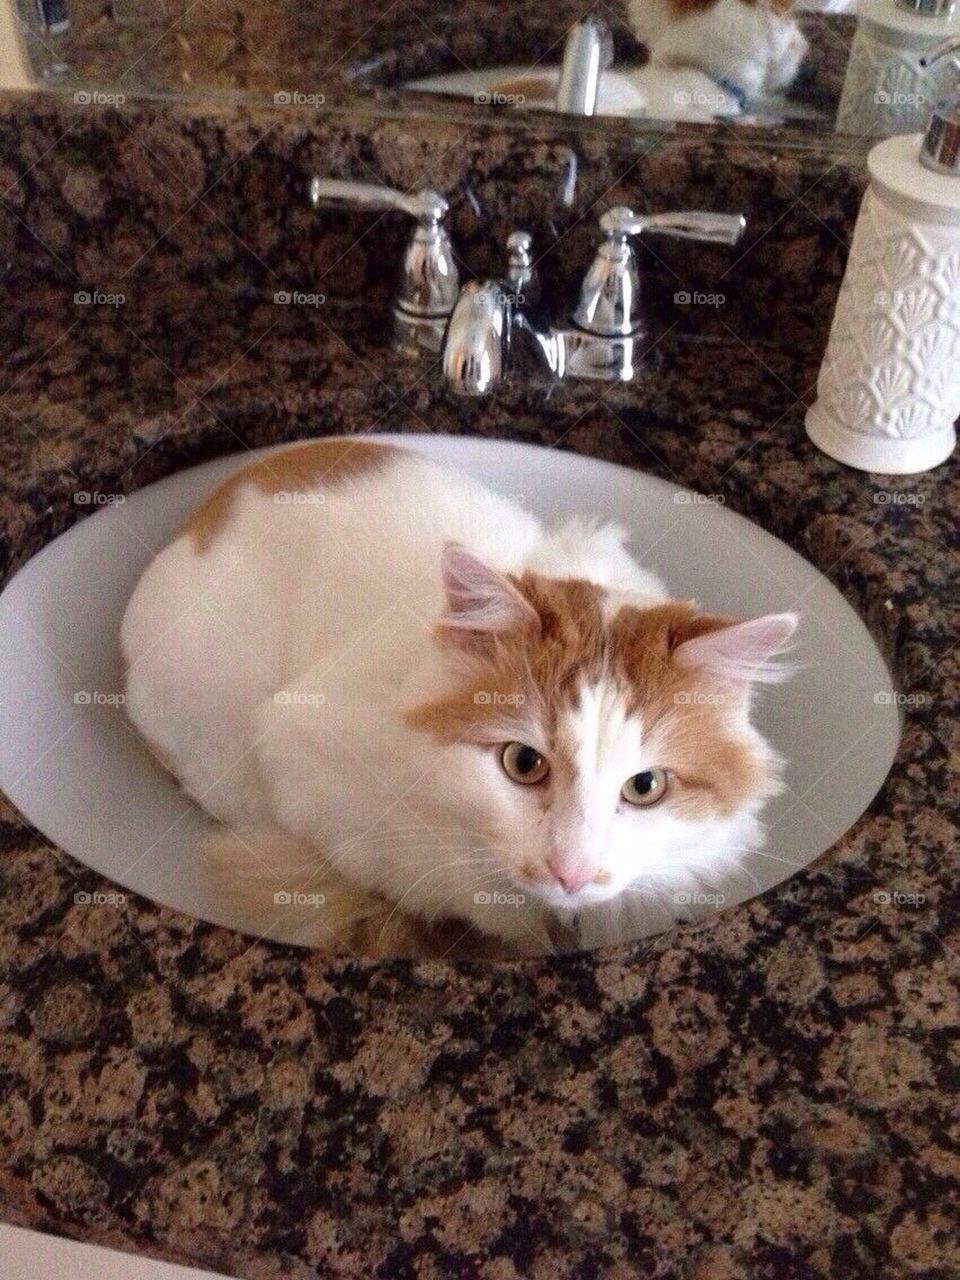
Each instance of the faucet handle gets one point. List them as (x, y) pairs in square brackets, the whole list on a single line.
[(610, 298), (428, 207), (429, 280), (693, 224)]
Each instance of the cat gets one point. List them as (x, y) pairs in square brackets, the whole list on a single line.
[(427, 722), (747, 47)]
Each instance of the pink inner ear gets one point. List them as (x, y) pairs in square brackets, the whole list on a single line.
[(479, 598), (742, 651)]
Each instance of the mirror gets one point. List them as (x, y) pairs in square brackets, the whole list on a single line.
[(811, 66)]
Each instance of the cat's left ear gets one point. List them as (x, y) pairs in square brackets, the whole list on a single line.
[(480, 601), (742, 651)]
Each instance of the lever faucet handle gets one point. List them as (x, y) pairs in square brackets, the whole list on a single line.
[(692, 224), (429, 279), (428, 207), (610, 299)]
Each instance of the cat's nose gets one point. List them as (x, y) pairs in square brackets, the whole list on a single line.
[(570, 876)]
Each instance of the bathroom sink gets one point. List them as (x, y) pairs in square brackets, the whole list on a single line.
[(74, 767), (654, 92)]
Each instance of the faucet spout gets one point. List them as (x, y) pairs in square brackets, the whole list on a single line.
[(587, 53), (488, 321)]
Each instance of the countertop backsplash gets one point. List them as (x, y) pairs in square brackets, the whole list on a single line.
[(129, 199)]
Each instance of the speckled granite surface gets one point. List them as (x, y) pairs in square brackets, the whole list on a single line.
[(767, 1096)]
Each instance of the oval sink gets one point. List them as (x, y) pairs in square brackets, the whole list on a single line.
[(652, 91), (72, 764)]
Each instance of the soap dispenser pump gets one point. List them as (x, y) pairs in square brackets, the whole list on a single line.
[(888, 394)]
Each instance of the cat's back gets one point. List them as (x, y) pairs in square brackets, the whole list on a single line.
[(308, 544)]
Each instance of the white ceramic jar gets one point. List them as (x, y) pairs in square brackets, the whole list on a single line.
[(886, 90), (888, 393)]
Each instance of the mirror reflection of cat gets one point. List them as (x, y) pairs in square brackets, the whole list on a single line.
[(747, 48)]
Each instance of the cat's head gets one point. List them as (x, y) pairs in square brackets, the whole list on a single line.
[(590, 740)]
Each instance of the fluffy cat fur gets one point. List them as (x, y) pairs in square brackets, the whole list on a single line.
[(333, 654), (755, 47)]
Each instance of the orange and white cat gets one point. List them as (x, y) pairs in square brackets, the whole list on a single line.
[(413, 707), (747, 47)]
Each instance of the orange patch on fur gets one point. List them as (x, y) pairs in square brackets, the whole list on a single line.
[(320, 463), (524, 681)]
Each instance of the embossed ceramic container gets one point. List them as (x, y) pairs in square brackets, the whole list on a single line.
[(889, 386), (886, 90)]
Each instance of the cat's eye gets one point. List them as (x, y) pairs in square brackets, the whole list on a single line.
[(523, 764), (646, 788)]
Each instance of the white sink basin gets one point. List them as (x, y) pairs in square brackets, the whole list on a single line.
[(74, 767), (657, 92)]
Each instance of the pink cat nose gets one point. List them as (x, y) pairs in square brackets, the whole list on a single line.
[(570, 876)]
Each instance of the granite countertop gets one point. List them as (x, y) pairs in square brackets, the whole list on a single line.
[(763, 1096)]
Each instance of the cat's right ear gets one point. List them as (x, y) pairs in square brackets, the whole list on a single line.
[(480, 601)]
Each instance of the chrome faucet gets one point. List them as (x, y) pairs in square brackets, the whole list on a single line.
[(429, 280), (587, 53), (494, 321)]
